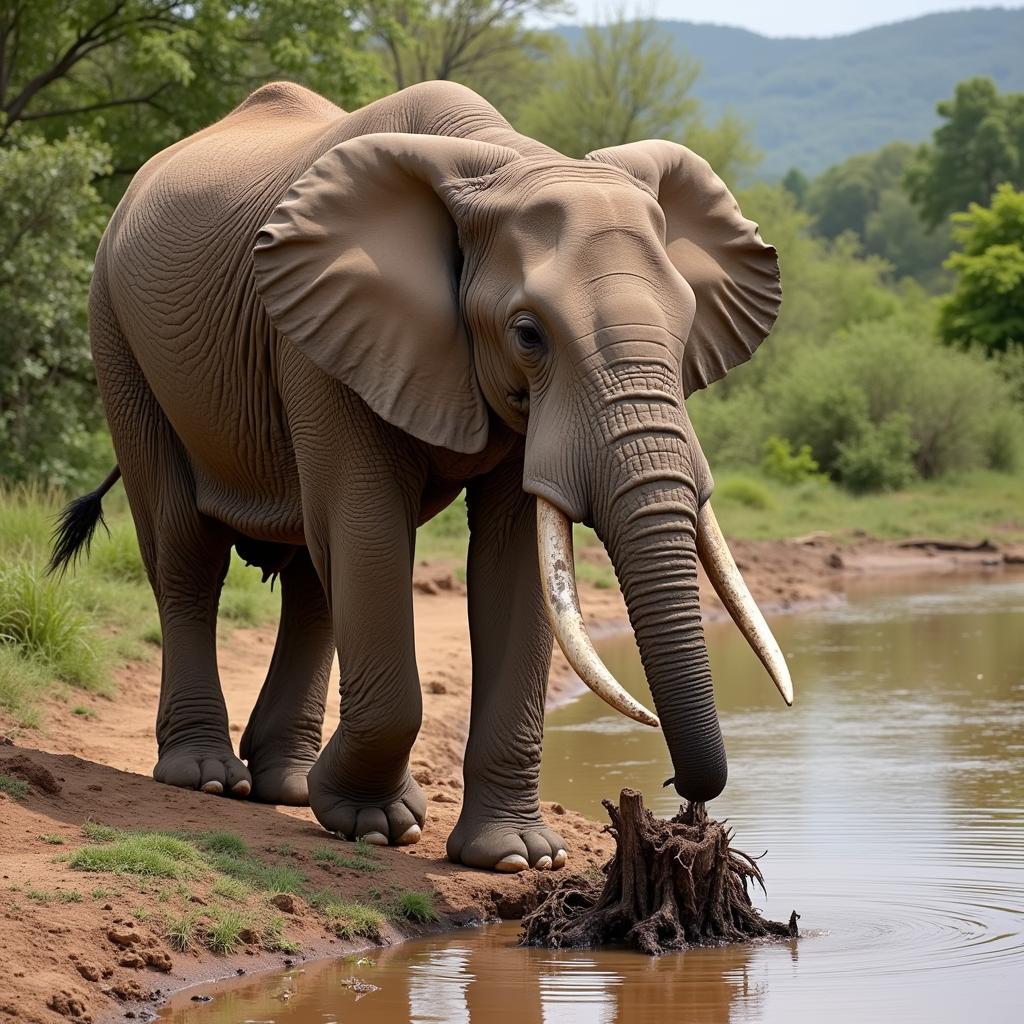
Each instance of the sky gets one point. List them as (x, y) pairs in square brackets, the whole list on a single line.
[(784, 17)]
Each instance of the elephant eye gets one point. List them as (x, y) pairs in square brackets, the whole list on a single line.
[(529, 337)]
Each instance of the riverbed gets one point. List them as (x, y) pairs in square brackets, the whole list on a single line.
[(889, 799)]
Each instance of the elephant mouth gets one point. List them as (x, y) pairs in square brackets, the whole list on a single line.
[(561, 598)]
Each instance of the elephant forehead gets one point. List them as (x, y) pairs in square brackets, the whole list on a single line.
[(564, 198)]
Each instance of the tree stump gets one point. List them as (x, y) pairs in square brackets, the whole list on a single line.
[(669, 885)]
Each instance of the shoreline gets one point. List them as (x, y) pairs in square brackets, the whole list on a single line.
[(100, 767)]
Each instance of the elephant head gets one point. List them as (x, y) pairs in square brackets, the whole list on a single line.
[(447, 280)]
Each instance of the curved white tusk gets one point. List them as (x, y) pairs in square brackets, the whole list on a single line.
[(558, 581), (725, 577)]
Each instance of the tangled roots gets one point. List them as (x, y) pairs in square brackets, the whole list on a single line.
[(669, 885)]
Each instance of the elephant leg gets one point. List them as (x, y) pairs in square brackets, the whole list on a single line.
[(501, 825), (186, 558), (366, 510), (282, 740)]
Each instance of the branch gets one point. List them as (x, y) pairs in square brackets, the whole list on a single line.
[(103, 105)]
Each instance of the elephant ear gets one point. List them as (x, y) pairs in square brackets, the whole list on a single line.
[(733, 273), (358, 268)]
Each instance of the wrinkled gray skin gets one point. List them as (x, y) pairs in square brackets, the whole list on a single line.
[(310, 337)]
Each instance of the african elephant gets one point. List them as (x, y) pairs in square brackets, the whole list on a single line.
[(313, 329)]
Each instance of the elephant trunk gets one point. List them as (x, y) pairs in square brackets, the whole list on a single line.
[(649, 530)]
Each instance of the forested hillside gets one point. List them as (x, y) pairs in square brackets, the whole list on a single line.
[(814, 102)]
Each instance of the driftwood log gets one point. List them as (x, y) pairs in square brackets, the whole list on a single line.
[(669, 885)]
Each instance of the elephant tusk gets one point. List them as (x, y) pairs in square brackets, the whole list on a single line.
[(725, 577), (558, 581)]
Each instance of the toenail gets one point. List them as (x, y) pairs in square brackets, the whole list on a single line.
[(241, 788), (409, 836), (509, 865), (374, 839), (212, 787), (560, 859), (544, 864)]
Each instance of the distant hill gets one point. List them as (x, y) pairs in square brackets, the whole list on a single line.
[(814, 102)]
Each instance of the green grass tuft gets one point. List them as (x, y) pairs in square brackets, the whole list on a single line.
[(13, 787), (97, 833), (231, 889), (222, 842), (223, 933), (146, 854), (180, 930), (362, 859), (415, 906), (53, 839)]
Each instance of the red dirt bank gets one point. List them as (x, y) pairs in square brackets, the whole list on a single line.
[(97, 959)]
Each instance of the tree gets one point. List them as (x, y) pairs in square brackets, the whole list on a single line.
[(623, 83), (987, 304), (980, 146), (142, 73), (52, 220), (865, 195), (483, 44)]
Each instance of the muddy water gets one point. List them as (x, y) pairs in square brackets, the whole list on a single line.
[(891, 803)]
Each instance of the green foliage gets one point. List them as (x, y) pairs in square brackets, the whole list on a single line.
[(624, 82), (49, 407), (782, 464), (877, 457), (979, 146), (363, 858), (987, 304), (42, 620), (349, 919), (144, 73), (180, 930), (742, 490), (13, 787), (223, 933), (415, 906), (483, 44), (865, 195)]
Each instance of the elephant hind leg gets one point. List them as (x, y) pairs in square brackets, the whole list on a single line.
[(282, 740), (186, 557)]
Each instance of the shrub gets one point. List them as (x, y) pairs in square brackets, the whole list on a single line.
[(742, 490), (782, 464), (879, 458)]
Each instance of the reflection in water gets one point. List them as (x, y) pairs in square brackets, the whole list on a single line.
[(890, 799)]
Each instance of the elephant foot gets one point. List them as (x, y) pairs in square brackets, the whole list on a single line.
[(505, 844), (280, 783), (392, 818), (208, 767), (278, 779)]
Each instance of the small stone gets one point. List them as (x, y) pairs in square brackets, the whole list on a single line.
[(132, 960), (159, 960), (202, 999), (557, 809), (248, 936), (835, 560), (88, 971)]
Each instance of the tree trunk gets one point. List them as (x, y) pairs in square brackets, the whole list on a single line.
[(669, 885)]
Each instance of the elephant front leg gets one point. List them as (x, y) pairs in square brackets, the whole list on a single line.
[(501, 826), (361, 788)]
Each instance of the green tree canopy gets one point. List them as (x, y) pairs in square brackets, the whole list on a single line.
[(865, 195), (987, 304), (51, 220), (143, 73), (483, 44), (980, 146), (625, 82)]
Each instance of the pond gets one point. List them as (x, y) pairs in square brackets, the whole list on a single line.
[(890, 800)]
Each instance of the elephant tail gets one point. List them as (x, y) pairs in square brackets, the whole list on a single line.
[(76, 525)]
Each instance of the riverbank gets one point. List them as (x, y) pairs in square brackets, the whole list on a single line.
[(95, 945)]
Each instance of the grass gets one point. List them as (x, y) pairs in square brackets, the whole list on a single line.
[(180, 930), (223, 932), (150, 854), (53, 839), (415, 906), (349, 919), (13, 787), (362, 859), (59, 635)]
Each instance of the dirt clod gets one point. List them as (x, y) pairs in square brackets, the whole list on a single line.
[(123, 936), (284, 902), (669, 885), (38, 777)]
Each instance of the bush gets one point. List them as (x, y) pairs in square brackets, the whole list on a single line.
[(879, 458), (957, 409), (782, 464), (742, 490)]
